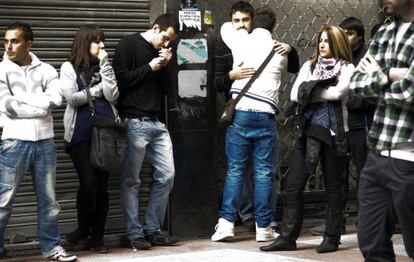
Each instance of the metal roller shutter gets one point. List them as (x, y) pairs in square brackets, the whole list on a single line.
[(54, 24)]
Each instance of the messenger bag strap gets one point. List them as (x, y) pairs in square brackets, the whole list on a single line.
[(88, 94), (90, 102), (254, 76)]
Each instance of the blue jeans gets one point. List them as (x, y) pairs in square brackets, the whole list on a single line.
[(17, 157), (150, 139), (250, 131), (246, 205)]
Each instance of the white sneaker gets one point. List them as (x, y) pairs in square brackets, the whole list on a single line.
[(61, 255), (224, 230), (264, 234)]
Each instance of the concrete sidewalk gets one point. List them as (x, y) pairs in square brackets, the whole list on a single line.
[(242, 248)]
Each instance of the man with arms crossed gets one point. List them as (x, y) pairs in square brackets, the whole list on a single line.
[(29, 89), (387, 179)]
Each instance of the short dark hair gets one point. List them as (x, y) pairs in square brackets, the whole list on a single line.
[(243, 7), (23, 27), (79, 55), (264, 17), (353, 23), (167, 20)]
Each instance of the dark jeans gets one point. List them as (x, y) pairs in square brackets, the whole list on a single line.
[(92, 202), (332, 168), (357, 144), (357, 147), (385, 183)]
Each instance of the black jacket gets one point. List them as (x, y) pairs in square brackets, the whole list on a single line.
[(360, 110), (306, 109), (140, 89)]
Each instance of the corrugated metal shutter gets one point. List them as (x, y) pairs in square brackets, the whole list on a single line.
[(54, 24)]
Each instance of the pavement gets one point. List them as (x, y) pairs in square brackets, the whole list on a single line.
[(242, 248)]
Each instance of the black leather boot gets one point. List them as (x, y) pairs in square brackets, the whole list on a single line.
[(291, 223), (291, 226), (329, 244), (334, 222), (332, 235), (280, 244)]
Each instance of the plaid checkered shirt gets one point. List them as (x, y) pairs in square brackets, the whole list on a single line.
[(394, 117)]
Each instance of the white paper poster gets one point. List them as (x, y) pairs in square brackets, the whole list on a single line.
[(192, 83), (190, 18)]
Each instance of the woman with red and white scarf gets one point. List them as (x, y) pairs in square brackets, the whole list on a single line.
[(323, 123)]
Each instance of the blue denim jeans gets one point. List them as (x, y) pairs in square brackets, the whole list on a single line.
[(17, 157), (150, 139), (253, 131), (246, 205)]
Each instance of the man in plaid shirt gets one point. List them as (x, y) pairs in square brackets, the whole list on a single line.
[(387, 180)]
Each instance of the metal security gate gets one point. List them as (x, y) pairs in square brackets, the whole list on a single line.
[(298, 22), (54, 24)]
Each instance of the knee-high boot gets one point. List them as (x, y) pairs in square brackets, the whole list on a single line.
[(291, 226), (292, 223), (332, 235)]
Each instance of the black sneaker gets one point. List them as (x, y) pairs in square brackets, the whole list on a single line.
[(140, 243), (158, 239), (62, 256), (98, 246), (76, 236)]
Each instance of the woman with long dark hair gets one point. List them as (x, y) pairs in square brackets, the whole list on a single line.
[(321, 90), (88, 65)]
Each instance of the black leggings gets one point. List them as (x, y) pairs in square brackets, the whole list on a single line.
[(92, 202)]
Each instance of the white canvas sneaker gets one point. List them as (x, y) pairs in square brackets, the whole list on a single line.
[(224, 230), (264, 234)]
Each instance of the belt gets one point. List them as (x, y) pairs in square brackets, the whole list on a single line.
[(266, 114), (399, 154), (147, 118)]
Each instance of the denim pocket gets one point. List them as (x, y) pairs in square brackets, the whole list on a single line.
[(134, 124), (7, 144), (7, 176)]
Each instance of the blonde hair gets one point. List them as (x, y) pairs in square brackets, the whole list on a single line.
[(338, 44)]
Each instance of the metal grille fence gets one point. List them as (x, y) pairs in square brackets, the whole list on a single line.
[(298, 22)]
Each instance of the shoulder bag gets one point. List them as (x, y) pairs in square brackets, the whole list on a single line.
[(108, 141), (226, 118)]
